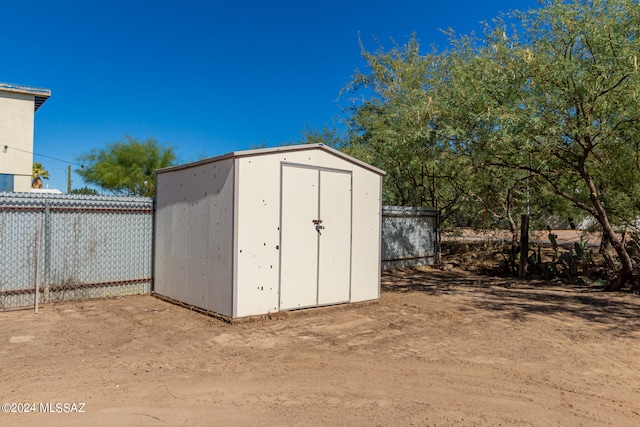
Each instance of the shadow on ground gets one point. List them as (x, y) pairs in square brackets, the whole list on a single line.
[(517, 299)]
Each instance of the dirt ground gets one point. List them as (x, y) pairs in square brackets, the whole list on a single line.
[(440, 348)]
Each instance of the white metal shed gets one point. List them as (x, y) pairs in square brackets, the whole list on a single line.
[(261, 231)]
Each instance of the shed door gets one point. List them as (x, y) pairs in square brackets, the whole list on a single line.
[(315, 253)]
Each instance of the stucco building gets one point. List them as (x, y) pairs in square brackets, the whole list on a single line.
[(18, 105)]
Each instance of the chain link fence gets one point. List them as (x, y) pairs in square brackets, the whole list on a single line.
[(61, 247), (66, 247), (410, 237)]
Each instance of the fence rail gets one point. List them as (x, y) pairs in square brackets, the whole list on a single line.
[(73, 247)]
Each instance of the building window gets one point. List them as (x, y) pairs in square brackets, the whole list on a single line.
[(6, 182)]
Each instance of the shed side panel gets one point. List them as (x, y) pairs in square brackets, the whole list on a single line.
[(166, 268), (194, 231), (258, 222), (197, 220), (220, 238), (365, 251)]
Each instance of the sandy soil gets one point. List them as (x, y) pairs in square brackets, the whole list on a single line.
[(440, 348)]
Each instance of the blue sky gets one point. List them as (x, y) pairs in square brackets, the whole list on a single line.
[(207, 77)]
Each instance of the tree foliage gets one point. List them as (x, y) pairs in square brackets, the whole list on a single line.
[(537, 113), (38, 174), (393, 127), (86, 191), (556, 98), (127, 167)]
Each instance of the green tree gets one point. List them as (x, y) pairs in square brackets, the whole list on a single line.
[(127, 167), (392, 125), (38, 174), (554, 97), (539, 112), (330, 136), (87, 191), (398, 127)]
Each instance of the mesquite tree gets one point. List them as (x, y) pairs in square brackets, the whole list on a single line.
[(540, 111), (556, 92)]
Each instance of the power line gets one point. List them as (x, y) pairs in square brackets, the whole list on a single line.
[(41, 155)]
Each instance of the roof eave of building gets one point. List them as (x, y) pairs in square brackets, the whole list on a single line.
[(40, 95)]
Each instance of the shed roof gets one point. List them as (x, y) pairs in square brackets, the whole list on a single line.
[(283, 149), (40, 95)]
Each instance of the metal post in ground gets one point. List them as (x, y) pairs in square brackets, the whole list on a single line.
[(47, 248), (38, 253), (524, 245)]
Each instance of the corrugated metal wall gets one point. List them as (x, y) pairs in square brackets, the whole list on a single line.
[(409, 237), (73, 247)]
